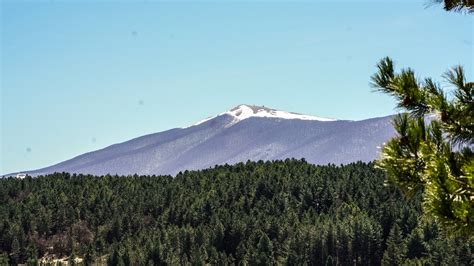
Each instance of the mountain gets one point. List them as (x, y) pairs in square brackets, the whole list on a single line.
[(246, 132)]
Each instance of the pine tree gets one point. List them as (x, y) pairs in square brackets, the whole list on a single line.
[(437, 156), (395, 252), (89, 256), (31, 252), (15, 253), (115, 259), (219, 231), (344, 255), (457, 5), (72, 259), (415, 246), (264, 252)]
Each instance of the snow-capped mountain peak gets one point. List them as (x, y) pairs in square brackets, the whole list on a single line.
[(264, 134), (245, 111)]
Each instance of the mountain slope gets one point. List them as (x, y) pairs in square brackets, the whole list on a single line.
[(243, 133)]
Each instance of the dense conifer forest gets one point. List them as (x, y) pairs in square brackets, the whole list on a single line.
[(258, 213)]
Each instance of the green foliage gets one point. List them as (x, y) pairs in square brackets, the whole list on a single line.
[(3, 259), (433, 151), (283, 212), (457, 5), (264, 252), (15, 251), (395, 252)]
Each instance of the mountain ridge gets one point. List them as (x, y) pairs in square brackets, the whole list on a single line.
[(245, 132)]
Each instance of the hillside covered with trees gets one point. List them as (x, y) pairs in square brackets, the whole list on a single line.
[(258, 213)]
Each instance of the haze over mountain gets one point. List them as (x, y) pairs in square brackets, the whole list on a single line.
[(246, 132)]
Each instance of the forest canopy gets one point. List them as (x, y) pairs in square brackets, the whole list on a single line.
[(259, 213)]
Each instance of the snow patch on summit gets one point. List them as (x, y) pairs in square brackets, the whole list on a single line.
[(245, 111)]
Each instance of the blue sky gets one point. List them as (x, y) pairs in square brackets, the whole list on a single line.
[(81, 75)]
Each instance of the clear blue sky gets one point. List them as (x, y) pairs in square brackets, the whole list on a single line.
[(80, 75)]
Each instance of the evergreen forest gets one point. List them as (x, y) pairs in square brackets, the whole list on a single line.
[(255, 213)]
